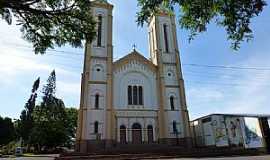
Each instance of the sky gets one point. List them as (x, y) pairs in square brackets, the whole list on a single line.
[(208, 90)]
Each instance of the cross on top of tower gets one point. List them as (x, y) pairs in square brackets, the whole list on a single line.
[(134, 46)]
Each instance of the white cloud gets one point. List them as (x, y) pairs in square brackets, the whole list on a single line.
[(205, 94), (68, 88), (248, 90), (19, 67), (253, 96)]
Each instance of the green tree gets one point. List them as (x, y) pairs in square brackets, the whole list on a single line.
[(50, 118), (50, 23), (7, 131), (71, 124), (26, 119), (234, 15)]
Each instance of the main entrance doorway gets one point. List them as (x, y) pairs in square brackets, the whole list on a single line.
[(136, 133)]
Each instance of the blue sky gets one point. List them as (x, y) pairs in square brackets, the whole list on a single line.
[(208, 90)]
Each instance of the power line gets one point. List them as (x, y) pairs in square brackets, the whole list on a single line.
[(184, 64), (56, 63), (226, 67), (187, 80), (225, 84), (60, 52), (50, 50), (222, 76)]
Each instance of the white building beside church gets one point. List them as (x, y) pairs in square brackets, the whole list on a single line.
[(133, 100)]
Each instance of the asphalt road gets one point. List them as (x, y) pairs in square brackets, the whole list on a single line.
[(230, 158)]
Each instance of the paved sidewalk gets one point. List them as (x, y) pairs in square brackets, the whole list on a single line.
[(34, 157)]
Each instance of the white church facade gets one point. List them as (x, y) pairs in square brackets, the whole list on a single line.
[(133, 100)]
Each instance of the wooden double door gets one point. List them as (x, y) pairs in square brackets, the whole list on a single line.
[(136, 133)]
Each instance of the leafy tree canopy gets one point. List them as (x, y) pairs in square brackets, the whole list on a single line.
[(72, 115), (234, 15), (46, 23), (26, 119), (71, 124), (7, 131), (49, 23), (50, 118)]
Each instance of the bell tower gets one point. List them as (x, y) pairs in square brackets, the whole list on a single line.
[(173, 116), (95, 121)]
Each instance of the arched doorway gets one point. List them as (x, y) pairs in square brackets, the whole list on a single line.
[(136, 133), (150, 134), (123, 134)]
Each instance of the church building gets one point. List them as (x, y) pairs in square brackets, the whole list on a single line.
[(134, 100)]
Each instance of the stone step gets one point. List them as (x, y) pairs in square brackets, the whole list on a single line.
[(165, 154)]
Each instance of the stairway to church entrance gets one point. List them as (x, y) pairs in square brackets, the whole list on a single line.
[(136, 133)]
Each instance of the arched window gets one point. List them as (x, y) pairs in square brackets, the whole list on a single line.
[(174, 127), (166, 38), (135, 95), (129, 95), (96, 101), (172, 103), (140, 95), (99, 30), (96, 127)]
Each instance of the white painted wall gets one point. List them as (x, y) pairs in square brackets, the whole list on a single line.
[(170, 75), (134, 73), (97, 89), (96, 114), (98, 70), (171, 116), (175, 93), (92, 116)]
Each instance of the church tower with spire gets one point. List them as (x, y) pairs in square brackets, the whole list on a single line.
[(95, 113), (134, 100), (164, 53)]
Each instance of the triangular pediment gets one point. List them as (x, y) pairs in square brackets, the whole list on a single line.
[(134, 56)]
